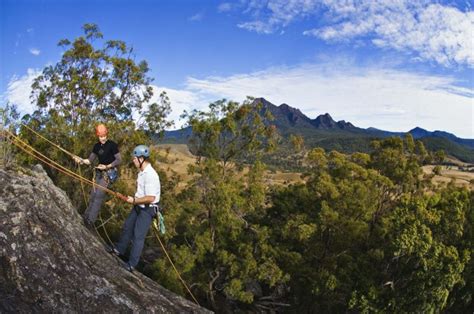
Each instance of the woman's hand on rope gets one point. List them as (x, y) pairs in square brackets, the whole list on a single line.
[(78, 160), (81, 161)]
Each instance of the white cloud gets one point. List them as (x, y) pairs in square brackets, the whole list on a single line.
[(197, 17), (19, 90), (180, 100), (431, 31), (224, 7), (35, 51), (385, 99), (257, 26), (274, 14)]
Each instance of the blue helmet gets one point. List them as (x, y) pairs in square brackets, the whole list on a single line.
[(141, 151)]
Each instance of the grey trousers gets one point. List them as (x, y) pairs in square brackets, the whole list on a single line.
[(135, 229), (96, 199)]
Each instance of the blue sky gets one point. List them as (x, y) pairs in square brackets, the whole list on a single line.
[(392, 65)]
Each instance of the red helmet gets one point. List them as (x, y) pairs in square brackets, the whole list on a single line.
[(101, 130)]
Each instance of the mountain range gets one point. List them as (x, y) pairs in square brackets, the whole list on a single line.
[(324, 131)]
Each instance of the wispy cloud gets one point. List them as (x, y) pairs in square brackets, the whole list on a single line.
[(19, 90), (197, 17), (35, 51), (180, 100), (260, 27), (429, 30), (386, 99), (224, 7)]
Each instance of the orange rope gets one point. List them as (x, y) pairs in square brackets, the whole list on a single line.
[(44, 138), (172, 264), (72, 174), (57, 166)]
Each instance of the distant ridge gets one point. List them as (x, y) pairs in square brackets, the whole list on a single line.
[(324, 131), (287, 117), (421, 133)]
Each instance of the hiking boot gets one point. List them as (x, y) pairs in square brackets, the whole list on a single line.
[(129, 267), (113, 250)]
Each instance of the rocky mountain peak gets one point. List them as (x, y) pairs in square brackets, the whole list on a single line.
[(293, 115), (324, 121)]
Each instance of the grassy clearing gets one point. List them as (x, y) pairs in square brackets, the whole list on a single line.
[(449, 173), (175, 158)]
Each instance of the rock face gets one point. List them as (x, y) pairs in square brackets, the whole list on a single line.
[(49, 262)]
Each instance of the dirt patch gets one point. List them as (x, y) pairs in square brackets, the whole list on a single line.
[(449, 173)]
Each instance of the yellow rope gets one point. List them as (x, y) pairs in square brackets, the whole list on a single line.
[(44, 138), (155, 231), (102, 224), (72, 174), (56, 165), (82, 186)]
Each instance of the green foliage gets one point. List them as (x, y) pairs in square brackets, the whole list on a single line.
[(92, 84), (297, 141), (229, 131), (399, 160), (9, 118), (459, 151), (217, 242), (95, 81), (361, 235)]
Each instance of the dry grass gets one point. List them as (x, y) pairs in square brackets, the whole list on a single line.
[(457, 162), (176, 158), (447, 174)]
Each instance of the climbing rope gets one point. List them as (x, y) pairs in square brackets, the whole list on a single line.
[(15, 140), (80, 174), (44, 138), (155, 231)]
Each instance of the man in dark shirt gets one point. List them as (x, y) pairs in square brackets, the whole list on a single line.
[(107, 153)]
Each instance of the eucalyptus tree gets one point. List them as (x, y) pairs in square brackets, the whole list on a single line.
[(216, 238), (96, 80), (364, 234)]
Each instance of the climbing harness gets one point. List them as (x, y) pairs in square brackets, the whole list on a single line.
[(111, 175), (15, 140)]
